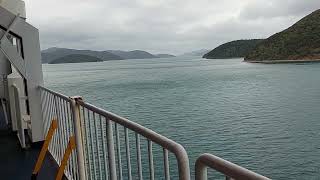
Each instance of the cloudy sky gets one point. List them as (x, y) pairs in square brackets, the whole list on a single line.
[(160, 26)]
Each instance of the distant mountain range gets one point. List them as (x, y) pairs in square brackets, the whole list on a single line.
[(300, 42), (54, 54), (200, 52), (75, 58), (233, 49), (165, 55), (137, 54)]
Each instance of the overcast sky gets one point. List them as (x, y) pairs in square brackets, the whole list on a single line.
[(160, 26)]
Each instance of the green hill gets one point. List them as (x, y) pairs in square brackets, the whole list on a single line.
[(55, 53), (233, 49), (299, 42), (75, 58), (51, 54)]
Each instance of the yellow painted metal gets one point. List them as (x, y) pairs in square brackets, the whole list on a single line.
[(44, 149), (71, 146)]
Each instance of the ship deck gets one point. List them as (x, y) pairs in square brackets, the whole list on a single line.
[(16, 163)]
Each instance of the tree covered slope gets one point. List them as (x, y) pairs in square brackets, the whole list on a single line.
[(233, 49), (75, 58), (299, 42)]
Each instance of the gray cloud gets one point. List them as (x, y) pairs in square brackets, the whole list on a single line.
[(160, 26), (278, 8)]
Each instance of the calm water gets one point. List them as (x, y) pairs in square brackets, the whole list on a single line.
[(263, 117)]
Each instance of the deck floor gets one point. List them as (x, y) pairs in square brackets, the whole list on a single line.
[(16, 163)]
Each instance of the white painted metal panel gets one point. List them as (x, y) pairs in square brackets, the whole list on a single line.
[(2, 87), (15, 79), (14, 6), (18, 115), (29, 65)]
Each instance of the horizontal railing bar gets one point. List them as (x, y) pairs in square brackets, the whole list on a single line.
[(56, 94), (225, 167)]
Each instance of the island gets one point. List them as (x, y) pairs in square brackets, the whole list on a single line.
[(54, 53), (233, 49), (75, 58), (298, 43)]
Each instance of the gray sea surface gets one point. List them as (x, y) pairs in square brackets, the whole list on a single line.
[(264, 117)]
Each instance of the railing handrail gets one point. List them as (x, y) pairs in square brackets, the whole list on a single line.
[(225, 167), (67, 98), (166, 143), (177, 149)]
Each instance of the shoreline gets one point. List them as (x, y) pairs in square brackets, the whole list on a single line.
[(283, 61)]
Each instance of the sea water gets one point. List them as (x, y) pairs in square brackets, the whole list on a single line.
[(263, 117)]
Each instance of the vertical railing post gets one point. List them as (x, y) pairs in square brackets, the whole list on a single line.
[(111, 152), (201, 171), (78, 136)]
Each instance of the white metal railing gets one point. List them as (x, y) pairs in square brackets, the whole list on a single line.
[(103, 134), (107, 152), (58, 106), (115, 148), (230, 170)]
